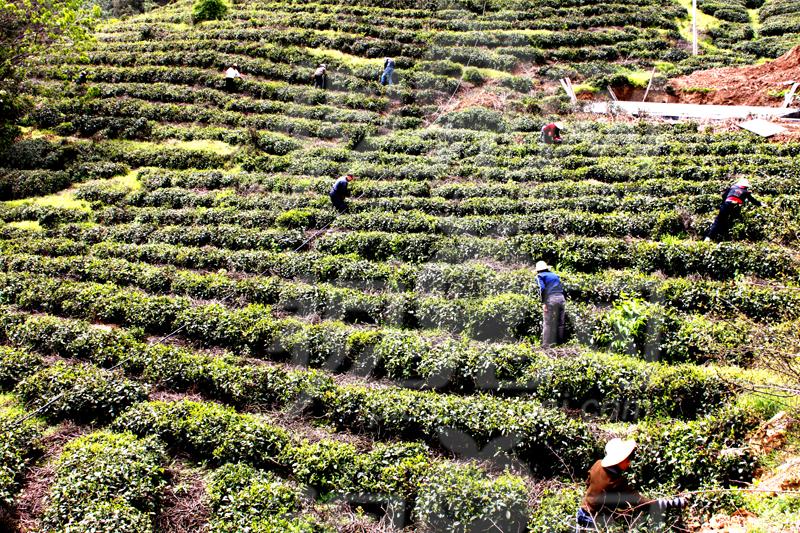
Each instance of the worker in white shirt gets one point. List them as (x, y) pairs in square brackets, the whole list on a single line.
[(231, 77)]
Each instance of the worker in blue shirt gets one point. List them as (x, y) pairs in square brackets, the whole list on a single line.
[(553, 313), (339, 192), (387, 78)]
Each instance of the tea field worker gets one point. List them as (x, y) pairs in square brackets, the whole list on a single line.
[(321, 76), (733, 199), (232, 75), (340, 191), (387, 78), (81, 79), (608, 494), (551, 133), (553, 312)]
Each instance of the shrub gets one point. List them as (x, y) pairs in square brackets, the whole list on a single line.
[(116, 516), (462, 498), (325, 465), (106, 479), (18, 447), (203, 10), (84, 393), (473, 76), (555, 510), (16, 365), (243, 498), (475, 118), (207, 431)]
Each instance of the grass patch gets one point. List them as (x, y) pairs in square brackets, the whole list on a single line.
[(217, 147), (698, 90), (30, 225), (585, 88), (64, 199), (639, 78), (335, 56), (755, 21), (524, 32)]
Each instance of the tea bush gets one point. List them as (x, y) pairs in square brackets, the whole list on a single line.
[(106, 480), (84, 393)]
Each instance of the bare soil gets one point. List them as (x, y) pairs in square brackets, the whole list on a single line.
[(749, 85), (32, 500)]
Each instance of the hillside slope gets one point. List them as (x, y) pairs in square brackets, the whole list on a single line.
[(200, 342)]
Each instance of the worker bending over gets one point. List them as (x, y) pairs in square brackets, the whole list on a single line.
[(232, 77), (733, 199), (340, 191), (608, 494), (321, 77), (554, 316), (551, 133)]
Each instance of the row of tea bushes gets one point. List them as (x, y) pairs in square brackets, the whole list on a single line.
[(648, 389)]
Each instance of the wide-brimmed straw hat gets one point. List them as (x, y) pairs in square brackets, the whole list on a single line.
[(541, 266), (743, 182), (559, 125), (617, 450)]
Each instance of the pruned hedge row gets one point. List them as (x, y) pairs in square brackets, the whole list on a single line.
[(19, 446), (106, 482), (757, 301), (262, 183), (585, 254), (779, 17), (66, 391), (243, 498), (649, 331), (586, 381), (37, 167), (402, 472), (387, 411)]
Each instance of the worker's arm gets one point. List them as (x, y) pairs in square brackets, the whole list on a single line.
[(540, 281), (752, 199)]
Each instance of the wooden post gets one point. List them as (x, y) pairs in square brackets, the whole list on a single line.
[(649, 84), (787, 101), (694, 28)]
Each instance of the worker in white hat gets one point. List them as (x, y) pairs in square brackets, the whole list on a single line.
[(321, 76), (608, 493), (554, 315), (733, 199)]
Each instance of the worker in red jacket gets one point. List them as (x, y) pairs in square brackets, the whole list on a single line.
[(733, 199), (551, 133)]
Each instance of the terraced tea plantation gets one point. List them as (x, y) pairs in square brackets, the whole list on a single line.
[(195, 340)]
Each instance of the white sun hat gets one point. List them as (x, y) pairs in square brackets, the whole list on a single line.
[(540, 266), (559, 125), (743, 182), (617, 450)]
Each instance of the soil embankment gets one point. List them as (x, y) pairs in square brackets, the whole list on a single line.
[(757, 85)]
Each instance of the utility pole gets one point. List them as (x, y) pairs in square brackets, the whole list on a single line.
[(694, 27)]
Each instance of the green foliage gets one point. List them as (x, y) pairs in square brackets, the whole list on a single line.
[(243, 498), (203, 10), (84, 393), (30, 29), (106, 480), (555, 510), (19, 446), (464, 499), (325, 465), (206, 430), (16, 365)]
